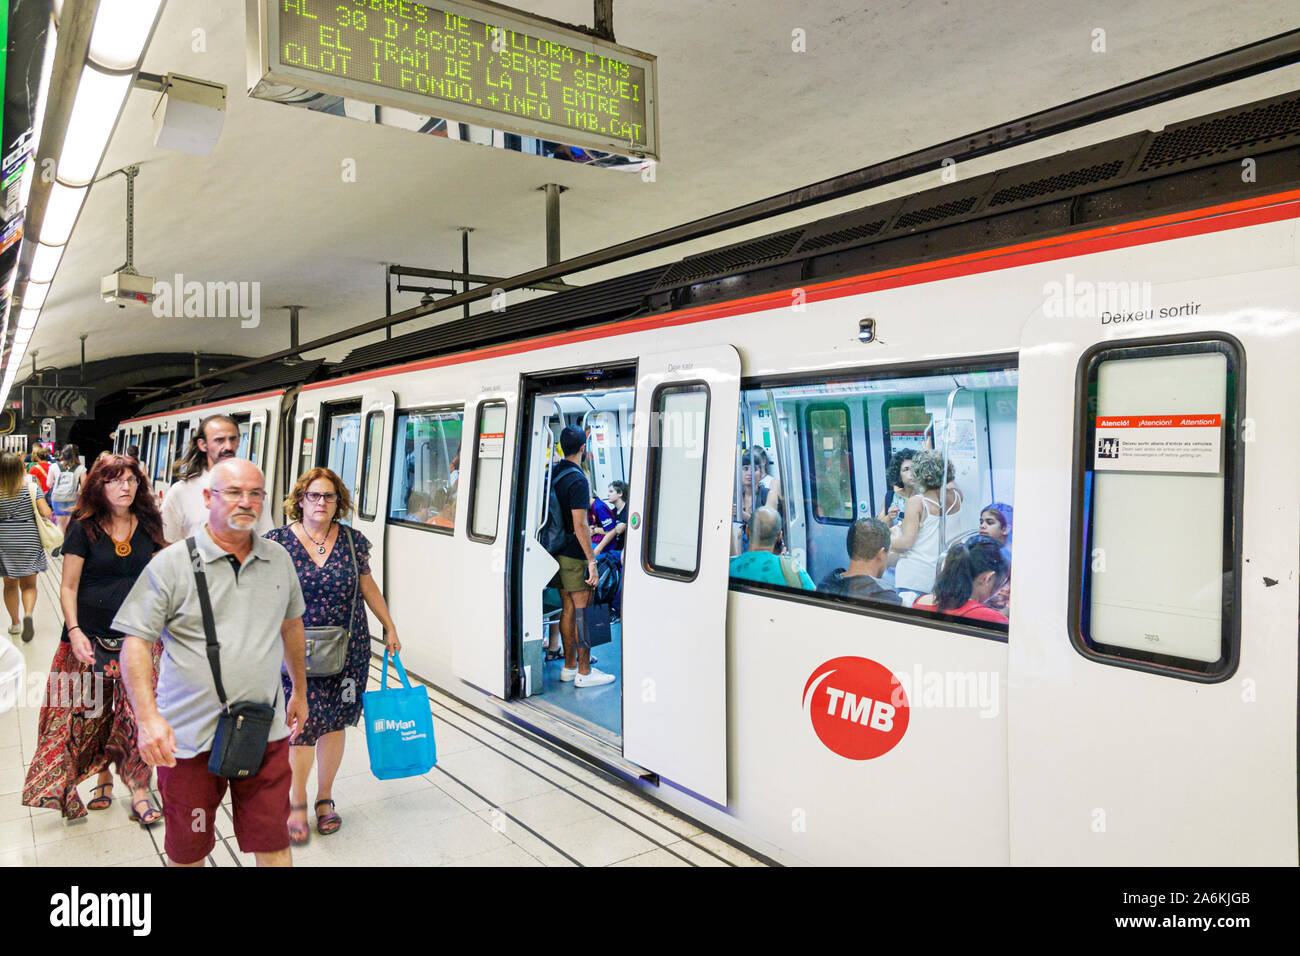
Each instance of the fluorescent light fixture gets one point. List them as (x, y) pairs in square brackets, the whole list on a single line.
[(34, 295), (16, 355), (27, 318), (94, 114), (23, 336), (61, 213), (121, 31), (45, 262)]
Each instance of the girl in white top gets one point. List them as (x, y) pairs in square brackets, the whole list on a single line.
[(917, 538)]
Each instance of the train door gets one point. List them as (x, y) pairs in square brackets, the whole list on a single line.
[(600, 405), (1153, 650), (675, 588), (356, 435), (254, 445)]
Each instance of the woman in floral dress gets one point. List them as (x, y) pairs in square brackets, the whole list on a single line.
[(337, 589)]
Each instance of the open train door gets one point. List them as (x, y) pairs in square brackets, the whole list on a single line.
[(675, 584), (369, 499)]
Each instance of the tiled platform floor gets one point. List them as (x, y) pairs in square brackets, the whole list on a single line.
[(496, 798)]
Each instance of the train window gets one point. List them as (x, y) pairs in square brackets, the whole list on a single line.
[(182, 435), (1156, 508), (678, 437), (489, 458), (243, 439), (370, 464), (830, 453), (306, 445), (160, 463), (426, 468), (938, 551), (255, 444)]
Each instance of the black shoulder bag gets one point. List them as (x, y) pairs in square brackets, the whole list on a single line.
[(243, 727)]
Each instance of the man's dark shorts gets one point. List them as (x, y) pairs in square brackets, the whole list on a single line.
[(259, 804)]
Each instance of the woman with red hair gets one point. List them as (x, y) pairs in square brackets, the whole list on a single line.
[(114, 531)]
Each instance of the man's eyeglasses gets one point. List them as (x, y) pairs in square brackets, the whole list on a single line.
[(126, 481), (316, 497), (236, 494)]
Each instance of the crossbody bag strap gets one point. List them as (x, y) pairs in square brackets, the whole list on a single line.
[(356, 583), (209, 623)]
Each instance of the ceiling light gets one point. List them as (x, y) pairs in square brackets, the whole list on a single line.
[(94, 114), (45, 262), (34, 295), (16, 355), (121, 31), (61, 213), (23, 336), (27, 318)]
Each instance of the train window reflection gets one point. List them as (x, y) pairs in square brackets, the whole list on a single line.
[(887, 492), (370, 464), (306, 444), (425, 480)]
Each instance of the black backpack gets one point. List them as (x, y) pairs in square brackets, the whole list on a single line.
[(554, 535)]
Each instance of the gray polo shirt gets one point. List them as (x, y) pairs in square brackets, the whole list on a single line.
[(248, 607)]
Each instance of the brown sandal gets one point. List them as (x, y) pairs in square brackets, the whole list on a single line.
[(329, 822), (101, 801)]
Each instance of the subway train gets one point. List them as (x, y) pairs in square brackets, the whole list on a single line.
[(1103, 342)]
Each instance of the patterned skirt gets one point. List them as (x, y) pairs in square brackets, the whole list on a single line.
[(334, 703), (80, 733)]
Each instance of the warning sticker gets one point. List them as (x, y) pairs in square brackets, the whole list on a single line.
[(491, 444), (1168, 443)]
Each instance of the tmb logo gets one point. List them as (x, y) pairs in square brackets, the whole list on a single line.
[(857, 707)]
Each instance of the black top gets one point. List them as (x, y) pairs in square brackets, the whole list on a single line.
[(574, 494), (861, 586), (106, 579), (620, 517)]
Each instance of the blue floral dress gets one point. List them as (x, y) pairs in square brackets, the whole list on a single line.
[(333, 702)]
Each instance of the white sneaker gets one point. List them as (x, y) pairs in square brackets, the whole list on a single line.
[(593, 679), (568, 673)]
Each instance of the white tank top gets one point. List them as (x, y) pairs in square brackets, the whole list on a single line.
[(916, 569)]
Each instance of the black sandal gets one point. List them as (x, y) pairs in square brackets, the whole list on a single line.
[(328, 823), (101, 801), (148, 809)]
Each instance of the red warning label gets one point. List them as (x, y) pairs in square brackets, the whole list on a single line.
[(857, 707)]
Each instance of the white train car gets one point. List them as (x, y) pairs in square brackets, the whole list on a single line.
[(1125, 389), (163, 438)]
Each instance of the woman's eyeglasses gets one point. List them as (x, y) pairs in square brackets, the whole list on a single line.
[(316, 497), (126, 481)]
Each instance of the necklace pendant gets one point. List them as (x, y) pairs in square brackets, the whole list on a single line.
[(320, 549), (122, 548)]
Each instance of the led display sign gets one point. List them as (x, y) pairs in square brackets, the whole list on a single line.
[(466, 61)]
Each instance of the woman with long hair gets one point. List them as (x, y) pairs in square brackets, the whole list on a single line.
[(995, 523), (972, 573), (114, 531), (333, 563), (21, 554), (66, 478), (40, 467)]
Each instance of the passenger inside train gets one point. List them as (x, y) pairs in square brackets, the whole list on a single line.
[(817, 460)]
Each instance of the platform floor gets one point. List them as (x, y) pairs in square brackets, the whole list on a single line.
[(498, 797)]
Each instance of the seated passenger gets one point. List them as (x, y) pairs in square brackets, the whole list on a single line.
[(868, 548), (995, 522), (972, 573), (617, 501), (418, 507), (760, 564), (602, 524), (446, 518)]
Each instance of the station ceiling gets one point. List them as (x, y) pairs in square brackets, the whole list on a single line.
[(742, 117)]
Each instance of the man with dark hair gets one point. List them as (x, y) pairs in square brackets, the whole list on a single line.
[(133, 452), (184, 510), (577, 574), (868, 547)]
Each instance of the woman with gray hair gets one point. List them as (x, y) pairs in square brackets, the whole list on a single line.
[(917, 538)]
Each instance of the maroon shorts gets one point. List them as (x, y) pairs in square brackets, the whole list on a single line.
[(192, 799)]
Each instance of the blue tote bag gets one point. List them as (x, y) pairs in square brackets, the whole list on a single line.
[(399, 727)]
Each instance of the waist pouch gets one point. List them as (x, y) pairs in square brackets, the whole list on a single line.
[(107, 651), (240, 744)]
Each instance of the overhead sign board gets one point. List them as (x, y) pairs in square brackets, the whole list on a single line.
[(471, 62), (57, 401)]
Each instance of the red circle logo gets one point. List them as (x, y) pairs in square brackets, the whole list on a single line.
[(858, 708)]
